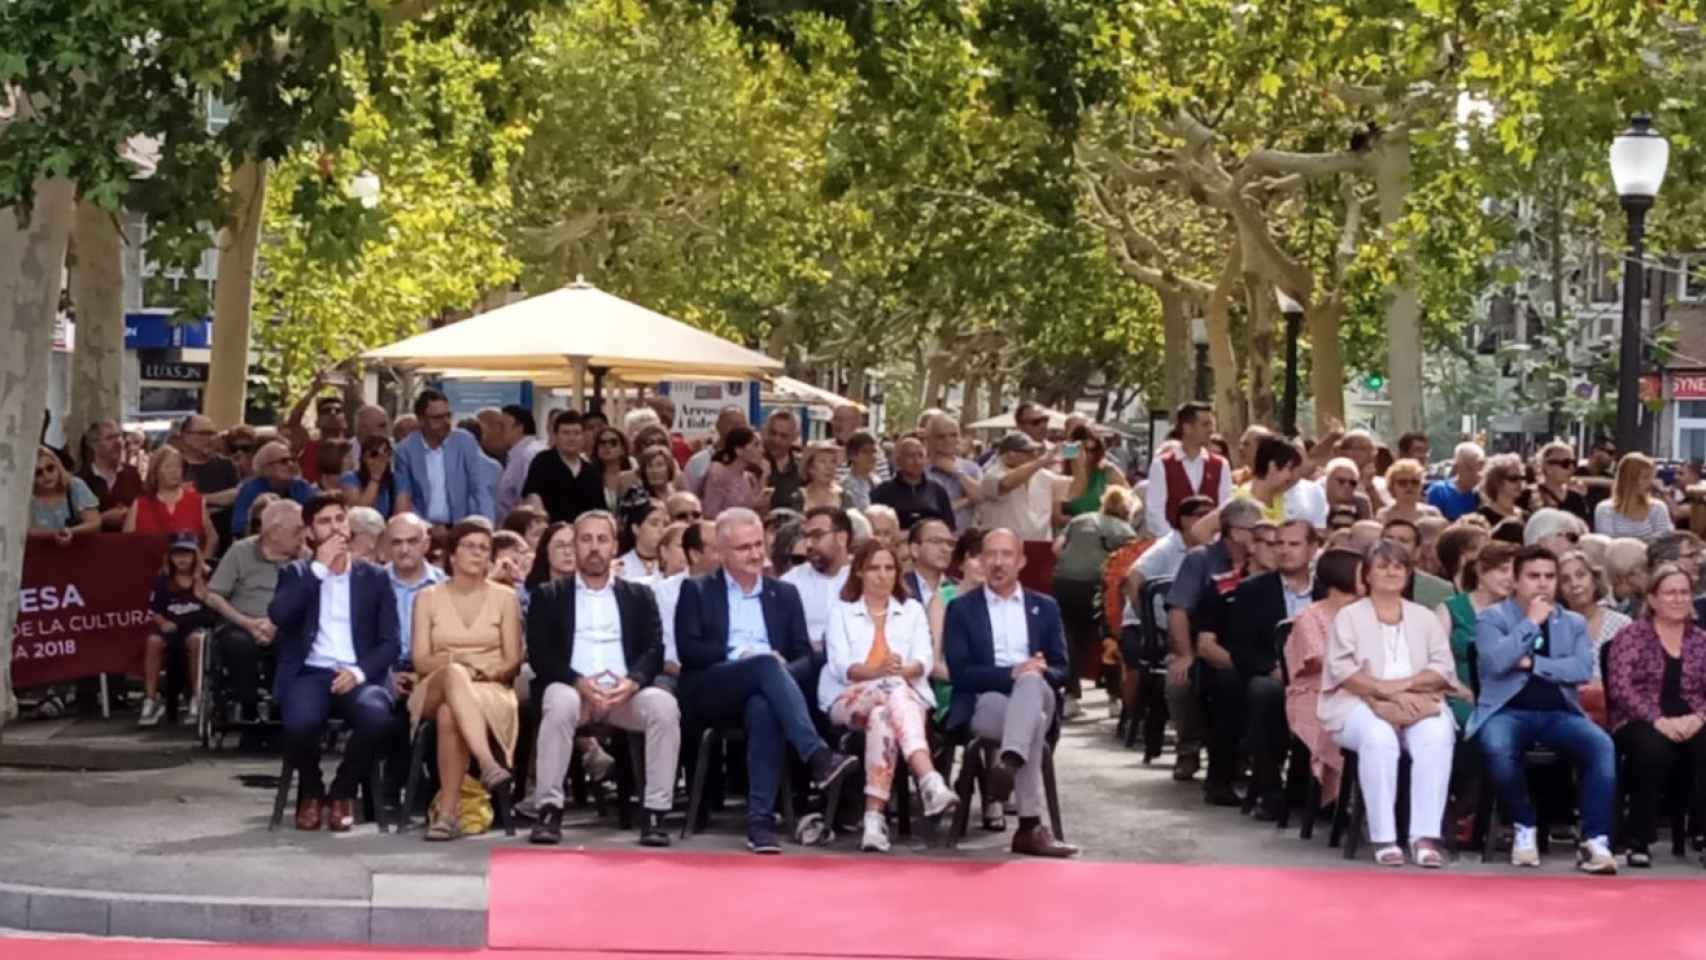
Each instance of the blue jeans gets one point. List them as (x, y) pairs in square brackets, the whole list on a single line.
[(308, 703), (760, 694), (1506, 734)]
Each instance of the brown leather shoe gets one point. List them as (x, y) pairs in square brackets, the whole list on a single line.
[(308, 813), (1038, 841), (341, 816)]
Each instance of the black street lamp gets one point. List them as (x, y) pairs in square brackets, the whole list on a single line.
[(1293, 312), (1638, 159)]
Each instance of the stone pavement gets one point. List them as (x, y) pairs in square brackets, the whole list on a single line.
[(182, 850)]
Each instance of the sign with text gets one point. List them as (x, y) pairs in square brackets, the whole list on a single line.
[(697, 403), (173, 371), (83, 607), (1688, 386), (468, 397)]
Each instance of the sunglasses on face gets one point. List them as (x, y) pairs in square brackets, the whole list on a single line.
[(1564, 464), (798, 558), (687, 515)]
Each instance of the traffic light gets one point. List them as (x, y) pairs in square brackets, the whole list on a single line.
[(1374, 381)]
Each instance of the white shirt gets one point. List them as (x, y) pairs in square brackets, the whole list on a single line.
[(1396, 664), (667, 590), (631, 567), (1026, 510), (515, 473), (598, 632), (1160, 562), (852, 633), (818, 593), (334, 641), (1155, 490), (1008, 627), (438, 499), (1295, 602)]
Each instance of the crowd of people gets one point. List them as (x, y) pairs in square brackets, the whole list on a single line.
[(527, 595), (1327, 596)]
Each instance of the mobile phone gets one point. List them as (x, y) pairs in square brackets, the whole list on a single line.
[(1070, 450)]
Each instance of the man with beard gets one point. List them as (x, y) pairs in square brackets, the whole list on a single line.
[(828, 534)]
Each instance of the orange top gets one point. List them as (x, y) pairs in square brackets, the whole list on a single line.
[(879, 654)]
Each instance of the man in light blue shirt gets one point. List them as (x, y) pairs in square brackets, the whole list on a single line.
[(747, 633), (407, 538)]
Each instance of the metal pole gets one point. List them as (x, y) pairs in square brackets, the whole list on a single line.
[(1288, 412), (1202, 372), (1629, 362)]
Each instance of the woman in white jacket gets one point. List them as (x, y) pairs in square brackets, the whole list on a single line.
[(877, 680)]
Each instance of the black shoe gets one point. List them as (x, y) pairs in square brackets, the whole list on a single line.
[(1185, 767), (1221, 795), (829, 766), (761, 839), (1269, 808), (549, 829), (652, 833)]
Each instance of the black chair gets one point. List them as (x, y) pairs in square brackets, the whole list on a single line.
[(979, 755), (425, 736), (631, 776), (711, 741), (370, 790), (1148, 714)]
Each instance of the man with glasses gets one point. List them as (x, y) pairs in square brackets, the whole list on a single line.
[(275, 472), (1032, 421), (962, 478), (684, 507), (828, 536), (328, 419), (1219, 686), (1207, 571), (442, 474), (214, 477), (1459, 494), (114, 483), (932, 551)]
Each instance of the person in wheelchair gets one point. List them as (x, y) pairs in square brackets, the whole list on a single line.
[(240, 591)]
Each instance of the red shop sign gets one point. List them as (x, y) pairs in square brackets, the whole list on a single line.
[(1688, 386)]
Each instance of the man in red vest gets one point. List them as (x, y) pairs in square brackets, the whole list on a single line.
[(1189, 470)]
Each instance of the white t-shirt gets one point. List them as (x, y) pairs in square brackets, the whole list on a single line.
[(1027, 510), (818, 594)]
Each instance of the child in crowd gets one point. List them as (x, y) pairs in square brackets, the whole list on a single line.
[(179, 607)]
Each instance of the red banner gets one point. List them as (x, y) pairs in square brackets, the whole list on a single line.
[(83, 609)]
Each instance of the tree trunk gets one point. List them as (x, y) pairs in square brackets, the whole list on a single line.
[(233, 296), (1175, 349), (1404, 309), (1326, 364), (992, 387), (1263, 337), (32, 260), (97, 288), (1229, 405), (968, 397)]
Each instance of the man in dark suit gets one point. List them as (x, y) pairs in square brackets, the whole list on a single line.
[(337, 639), (1006, 651), (595, 644), (743, 642), (1255, 610)]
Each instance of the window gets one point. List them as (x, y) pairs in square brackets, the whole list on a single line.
[(1690, 441)]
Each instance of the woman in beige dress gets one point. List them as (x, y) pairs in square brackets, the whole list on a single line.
[(467, 649)]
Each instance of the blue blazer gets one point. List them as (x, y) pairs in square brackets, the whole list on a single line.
[(702, 621), (969, 647), (295, 610), (470, 477), (298, 489), (1504, 635)]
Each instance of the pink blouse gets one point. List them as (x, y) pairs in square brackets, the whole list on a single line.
[(728, 485)]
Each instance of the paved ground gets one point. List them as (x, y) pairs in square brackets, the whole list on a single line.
[(200, 828)]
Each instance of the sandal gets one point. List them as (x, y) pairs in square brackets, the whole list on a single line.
[(1426, 854), (441, 827), (1640, 857), (1390, 855), (495, 779)]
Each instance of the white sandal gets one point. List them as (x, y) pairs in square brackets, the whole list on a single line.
[(1390, 855), (1426, 854)]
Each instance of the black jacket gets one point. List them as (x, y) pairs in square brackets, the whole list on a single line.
[(551, 632), (702, 621), (1246, 624)]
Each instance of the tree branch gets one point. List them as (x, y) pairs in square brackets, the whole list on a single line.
[(1309, 165)]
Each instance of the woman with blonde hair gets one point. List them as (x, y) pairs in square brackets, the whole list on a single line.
[(169, 503), (1554, 486), (1626, 570), (61, 505), (1632, 510), (818, 465), (1404, 481), (1501, 486)]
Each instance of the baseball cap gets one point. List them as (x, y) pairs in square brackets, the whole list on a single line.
[(184, 540), (1016, 441)]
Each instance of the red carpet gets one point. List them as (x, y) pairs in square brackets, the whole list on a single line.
[(904, 908)]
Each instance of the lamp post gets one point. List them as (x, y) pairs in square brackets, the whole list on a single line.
[(1293, 312), (1199, 340), (1638, 159)]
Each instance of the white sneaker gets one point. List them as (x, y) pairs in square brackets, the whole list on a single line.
[(598, 762), (876, 837), (1525, 847), (1073, 709), (1594, 856), (152, 711), (191, 713), (1114, 707), (938, 797)]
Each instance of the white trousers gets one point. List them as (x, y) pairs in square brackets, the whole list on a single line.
[(1429, 743)]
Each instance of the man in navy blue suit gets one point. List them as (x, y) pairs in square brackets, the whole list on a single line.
[(337, 638), (742, 641), (1006, 652)]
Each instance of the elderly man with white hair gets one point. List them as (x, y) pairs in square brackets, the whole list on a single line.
[(1457, 494), (366, 529), (1554, 529), (240, 591)]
